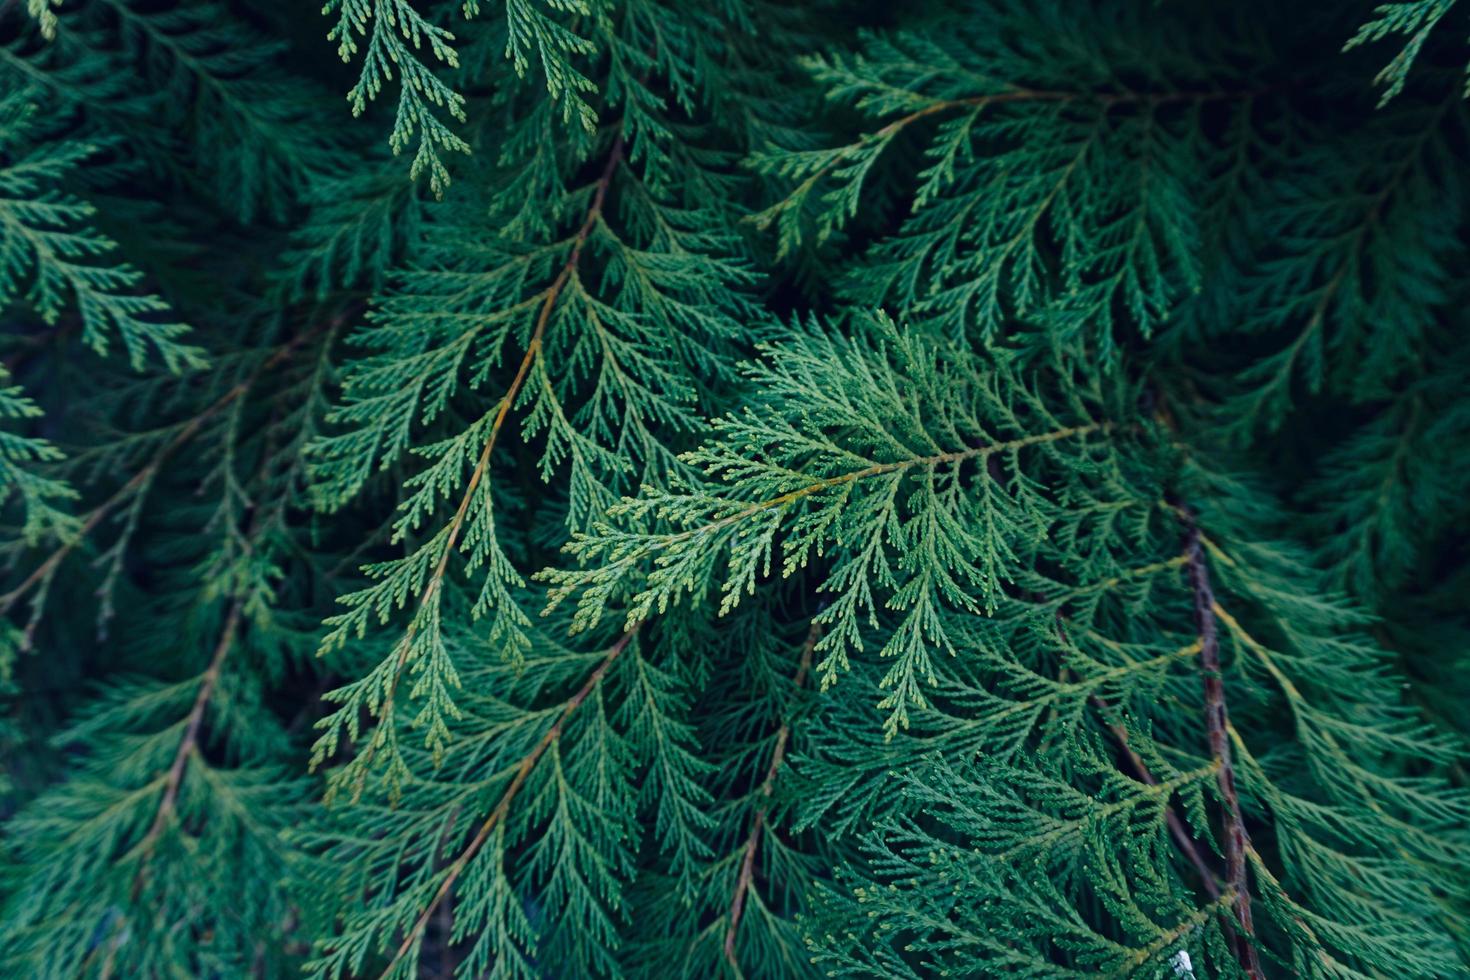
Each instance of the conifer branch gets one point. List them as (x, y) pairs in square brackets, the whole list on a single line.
[(189, 743), (1104, 100), (1217, 723), (1196, 919), (1297, 700), (1209, 878), (1345, 286), (757, 822), (456, 524), (208, 681), (899, 404), (867, 472), (502, 807), (878, 469), (144, 476)]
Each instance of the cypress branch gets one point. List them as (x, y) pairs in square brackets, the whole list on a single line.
[(429, 596), (502, 807), (42, 574), (850, 365), (1208, 876)]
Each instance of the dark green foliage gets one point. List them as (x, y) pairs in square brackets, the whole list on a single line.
[(733, 489)]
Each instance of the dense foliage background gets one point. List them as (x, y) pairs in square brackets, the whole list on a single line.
[(734, 488)]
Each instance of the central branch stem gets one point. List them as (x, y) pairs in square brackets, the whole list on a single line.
[(757, 823), (1217, 723)]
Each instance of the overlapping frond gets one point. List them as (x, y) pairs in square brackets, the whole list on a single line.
[(967, 488), (917, 495)]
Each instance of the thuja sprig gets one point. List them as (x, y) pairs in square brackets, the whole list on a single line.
[(421, 648)]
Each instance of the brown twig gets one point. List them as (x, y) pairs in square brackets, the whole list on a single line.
[(1217, 723), (757, 822), (497, 815)]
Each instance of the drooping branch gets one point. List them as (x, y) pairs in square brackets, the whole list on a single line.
[(757, 822), (502, 413), (186, 432), (208, 683), (1359, 240), (502, 807), (1183, 839), (1217, 724), (189, 743)]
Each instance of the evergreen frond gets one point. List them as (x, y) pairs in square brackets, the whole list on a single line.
[(966, 488)]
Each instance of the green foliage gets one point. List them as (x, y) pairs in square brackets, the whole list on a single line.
[(44, 15), (395, 32), (870, 475), (968, 488), (51, 258), (1037, 225), (103, 852), (1416, 20), (41, 498)]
